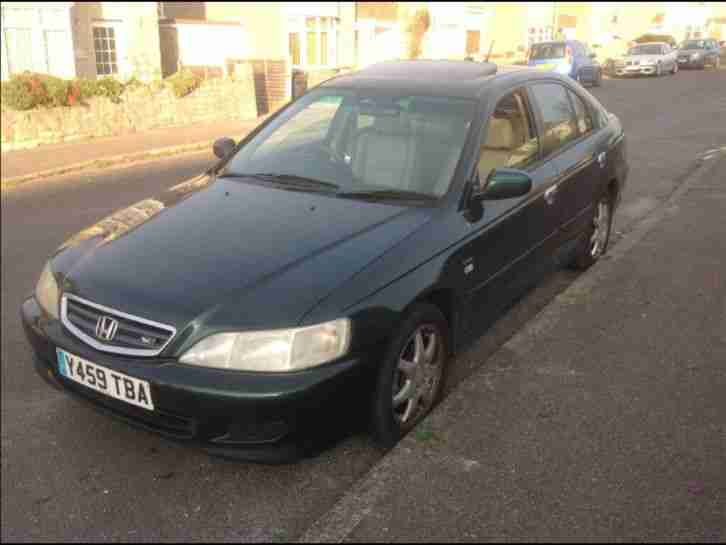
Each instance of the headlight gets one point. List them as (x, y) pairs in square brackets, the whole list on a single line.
[(273, 351), (694, 56), (47, 292)]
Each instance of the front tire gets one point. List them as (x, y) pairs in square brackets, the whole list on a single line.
[(595, 244), (410, 379), (675, 69)]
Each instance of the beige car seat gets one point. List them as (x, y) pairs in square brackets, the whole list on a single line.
[(384, 154)]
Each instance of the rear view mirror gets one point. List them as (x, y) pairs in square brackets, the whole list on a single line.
[(504, 183), (223, 147)]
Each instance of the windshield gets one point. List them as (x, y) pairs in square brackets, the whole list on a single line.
[(646, 50), (547, 51), (360, 141), (693, 44)]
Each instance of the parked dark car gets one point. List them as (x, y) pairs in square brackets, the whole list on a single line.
[(699, 54), (569, 57), (334, 259)]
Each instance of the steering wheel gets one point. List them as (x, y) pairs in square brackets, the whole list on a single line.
[(335, 156), (338, 161)]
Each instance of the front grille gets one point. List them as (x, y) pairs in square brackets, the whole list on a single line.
[(133, 336)]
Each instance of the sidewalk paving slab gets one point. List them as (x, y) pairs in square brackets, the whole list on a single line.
[(604, 419), (22, 163)]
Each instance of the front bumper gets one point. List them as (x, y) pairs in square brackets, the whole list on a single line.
[(688, 62), (640, 70), (250, 416)]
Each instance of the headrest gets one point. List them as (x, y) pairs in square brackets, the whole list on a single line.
[(500, 134)]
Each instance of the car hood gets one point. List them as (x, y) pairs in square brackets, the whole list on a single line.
[(226, 253)]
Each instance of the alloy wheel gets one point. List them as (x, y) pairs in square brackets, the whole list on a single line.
[(601, 231), (418, 375)]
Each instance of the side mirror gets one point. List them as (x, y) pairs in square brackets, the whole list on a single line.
[(504, 183), (223, 147)]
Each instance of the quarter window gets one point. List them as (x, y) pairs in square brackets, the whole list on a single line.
[(558, 118), (510, 140)]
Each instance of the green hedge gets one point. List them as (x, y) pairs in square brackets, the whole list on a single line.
[(30, 90)]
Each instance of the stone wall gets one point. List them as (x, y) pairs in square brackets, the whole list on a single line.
[(140, 109)]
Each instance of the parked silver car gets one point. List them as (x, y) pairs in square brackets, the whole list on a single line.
[(651, 59)]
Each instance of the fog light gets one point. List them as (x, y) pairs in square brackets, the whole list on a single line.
[(249, 433)]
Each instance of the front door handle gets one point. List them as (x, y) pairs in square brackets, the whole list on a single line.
[(550, 194)]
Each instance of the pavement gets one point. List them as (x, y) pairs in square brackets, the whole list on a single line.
[(604, 419), (51, 160), (71, 474)]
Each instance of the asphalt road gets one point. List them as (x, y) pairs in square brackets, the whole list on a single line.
[(70, 474)]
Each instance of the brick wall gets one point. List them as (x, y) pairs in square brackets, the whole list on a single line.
[(140, 109)]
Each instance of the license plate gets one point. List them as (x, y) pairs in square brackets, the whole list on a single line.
[(682, 60), (101, 379), (545, 66)]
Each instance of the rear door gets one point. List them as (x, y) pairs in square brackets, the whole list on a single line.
[(569, 140)]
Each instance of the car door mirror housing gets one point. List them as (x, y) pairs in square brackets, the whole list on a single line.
[(224, 147), (504, 183)]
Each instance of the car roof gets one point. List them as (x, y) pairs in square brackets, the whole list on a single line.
[(446, 78)]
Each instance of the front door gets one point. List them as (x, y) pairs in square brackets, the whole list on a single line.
[(513, 236)]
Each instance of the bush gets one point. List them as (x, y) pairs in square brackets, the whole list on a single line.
[(24, 92), (29, 90), (183, 82), (110, 88)]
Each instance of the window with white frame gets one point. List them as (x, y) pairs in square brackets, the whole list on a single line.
[(104, 44), (36, 39), (313, 42)]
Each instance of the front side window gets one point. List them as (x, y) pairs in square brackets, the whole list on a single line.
[(362, 141), (558, 119), (510, 140)]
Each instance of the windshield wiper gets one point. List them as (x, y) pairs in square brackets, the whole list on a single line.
[(387, 194), (291, 180)]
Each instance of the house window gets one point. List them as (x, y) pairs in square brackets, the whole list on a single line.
[(104, 42), (18, 48), (313, 41), (55, 42), (294, 47)]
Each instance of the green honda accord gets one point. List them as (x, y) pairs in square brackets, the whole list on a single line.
[(334, 260)]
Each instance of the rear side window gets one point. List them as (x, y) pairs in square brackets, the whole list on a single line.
[(582, 114), (558, 117)]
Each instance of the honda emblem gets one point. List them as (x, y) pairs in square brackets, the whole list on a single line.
[(106, 328)]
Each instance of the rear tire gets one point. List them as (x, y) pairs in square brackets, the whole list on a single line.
[(595, 243), (411, 377)]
